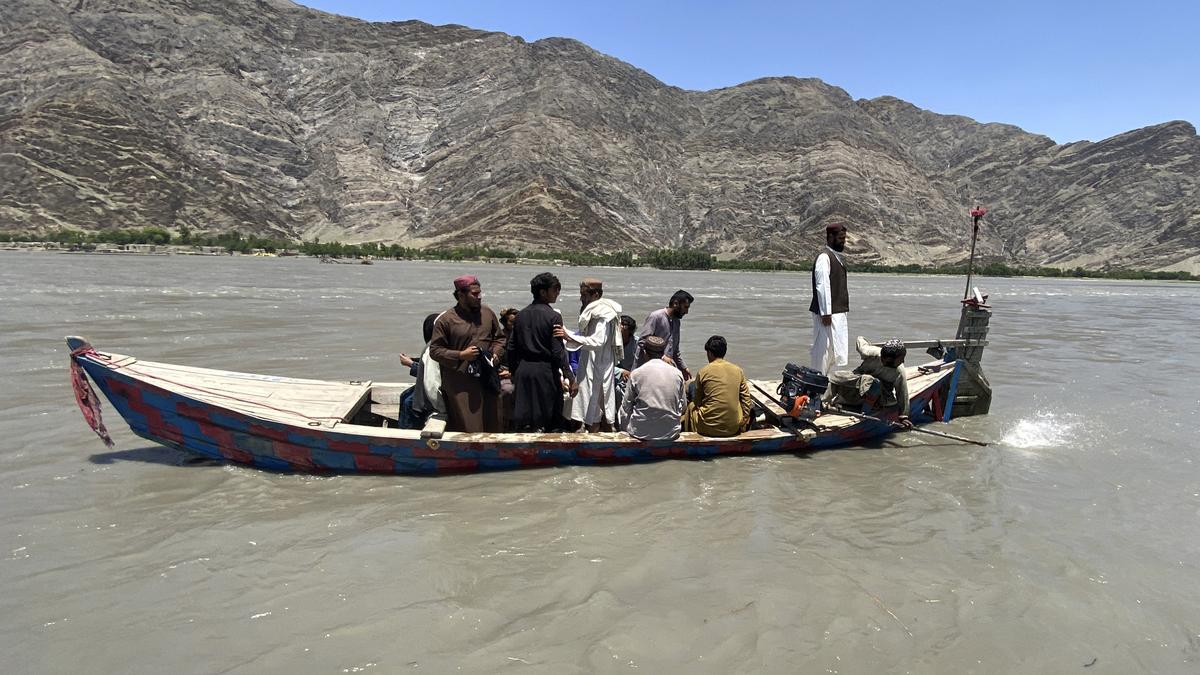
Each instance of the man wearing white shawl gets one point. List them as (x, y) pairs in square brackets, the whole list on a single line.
[(599, 345)]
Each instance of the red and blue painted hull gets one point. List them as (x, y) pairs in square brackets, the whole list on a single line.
[(157, 413)]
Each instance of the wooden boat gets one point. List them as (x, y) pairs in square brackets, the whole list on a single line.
[(290, 424)]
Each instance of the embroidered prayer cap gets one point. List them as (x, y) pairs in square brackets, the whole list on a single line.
[(654, 345), (893, 348), (465, 281), (592, 284), (835, 227)]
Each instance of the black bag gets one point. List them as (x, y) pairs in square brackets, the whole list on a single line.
[(487, 370)]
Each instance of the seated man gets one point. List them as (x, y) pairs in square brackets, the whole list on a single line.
[(721, 402), (879, 382), (653, 405), (421, 400), (629, 351)]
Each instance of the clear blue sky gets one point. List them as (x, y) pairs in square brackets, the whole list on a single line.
[(1070, 70)]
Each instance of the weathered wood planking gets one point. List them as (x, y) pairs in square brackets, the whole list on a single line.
[(278, 398), (763, 393)]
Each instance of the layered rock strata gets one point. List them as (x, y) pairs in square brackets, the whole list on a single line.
[(267, 117)]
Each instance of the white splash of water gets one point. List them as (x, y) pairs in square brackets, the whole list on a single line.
[(1045, 430)]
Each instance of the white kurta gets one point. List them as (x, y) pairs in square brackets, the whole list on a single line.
[(596, 342), (829, 346)]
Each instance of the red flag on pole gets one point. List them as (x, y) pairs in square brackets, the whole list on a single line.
[(977, 214)]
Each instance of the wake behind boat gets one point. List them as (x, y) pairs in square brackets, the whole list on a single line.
[(290, 424)]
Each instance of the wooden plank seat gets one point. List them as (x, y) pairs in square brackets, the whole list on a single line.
[(435, 426)]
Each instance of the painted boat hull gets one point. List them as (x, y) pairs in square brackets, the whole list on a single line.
[(175, 416)]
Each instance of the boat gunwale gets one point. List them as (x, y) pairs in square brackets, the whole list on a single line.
[(848, 426)]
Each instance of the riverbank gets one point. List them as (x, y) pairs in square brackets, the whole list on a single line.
[(616, 261)]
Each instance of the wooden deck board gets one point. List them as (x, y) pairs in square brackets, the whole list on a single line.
[(276, 398), (763, 393), (435, 426), (389, 410)]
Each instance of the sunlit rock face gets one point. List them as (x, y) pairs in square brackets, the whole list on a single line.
[(271, 118)]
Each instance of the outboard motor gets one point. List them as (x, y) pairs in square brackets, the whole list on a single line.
[(801, 390)]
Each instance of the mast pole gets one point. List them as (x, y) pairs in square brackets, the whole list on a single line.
[(976, 216)]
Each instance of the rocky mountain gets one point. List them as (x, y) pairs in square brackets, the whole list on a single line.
[(267, 117)]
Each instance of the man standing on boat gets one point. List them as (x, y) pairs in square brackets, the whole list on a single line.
[(538, 360), (653, 405), (600, 349), (830, 303), (665, 324), (463, 337)]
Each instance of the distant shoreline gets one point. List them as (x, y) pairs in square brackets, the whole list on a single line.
[(994, 270), (157, 240)]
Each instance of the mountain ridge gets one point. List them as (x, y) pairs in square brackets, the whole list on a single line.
[(274, 119)]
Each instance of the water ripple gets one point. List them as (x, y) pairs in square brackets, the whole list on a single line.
[(1046, 429)]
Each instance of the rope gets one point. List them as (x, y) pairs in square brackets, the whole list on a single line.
[(85, 396)]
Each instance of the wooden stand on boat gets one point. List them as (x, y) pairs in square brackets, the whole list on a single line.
[(974, 392)]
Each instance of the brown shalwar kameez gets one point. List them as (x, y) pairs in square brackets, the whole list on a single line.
[(469, 407)]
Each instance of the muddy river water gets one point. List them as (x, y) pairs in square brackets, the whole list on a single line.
[(1070, 544)]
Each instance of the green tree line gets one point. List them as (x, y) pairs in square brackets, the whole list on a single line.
[(664, 258), (231, 241), (996, 269)]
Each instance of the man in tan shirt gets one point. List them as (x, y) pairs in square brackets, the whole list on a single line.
[(721, 402)]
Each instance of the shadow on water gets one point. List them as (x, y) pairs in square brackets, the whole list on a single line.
[(154, 454), (164, 456)]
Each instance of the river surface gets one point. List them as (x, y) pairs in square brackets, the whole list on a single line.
[(1070, 544)]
